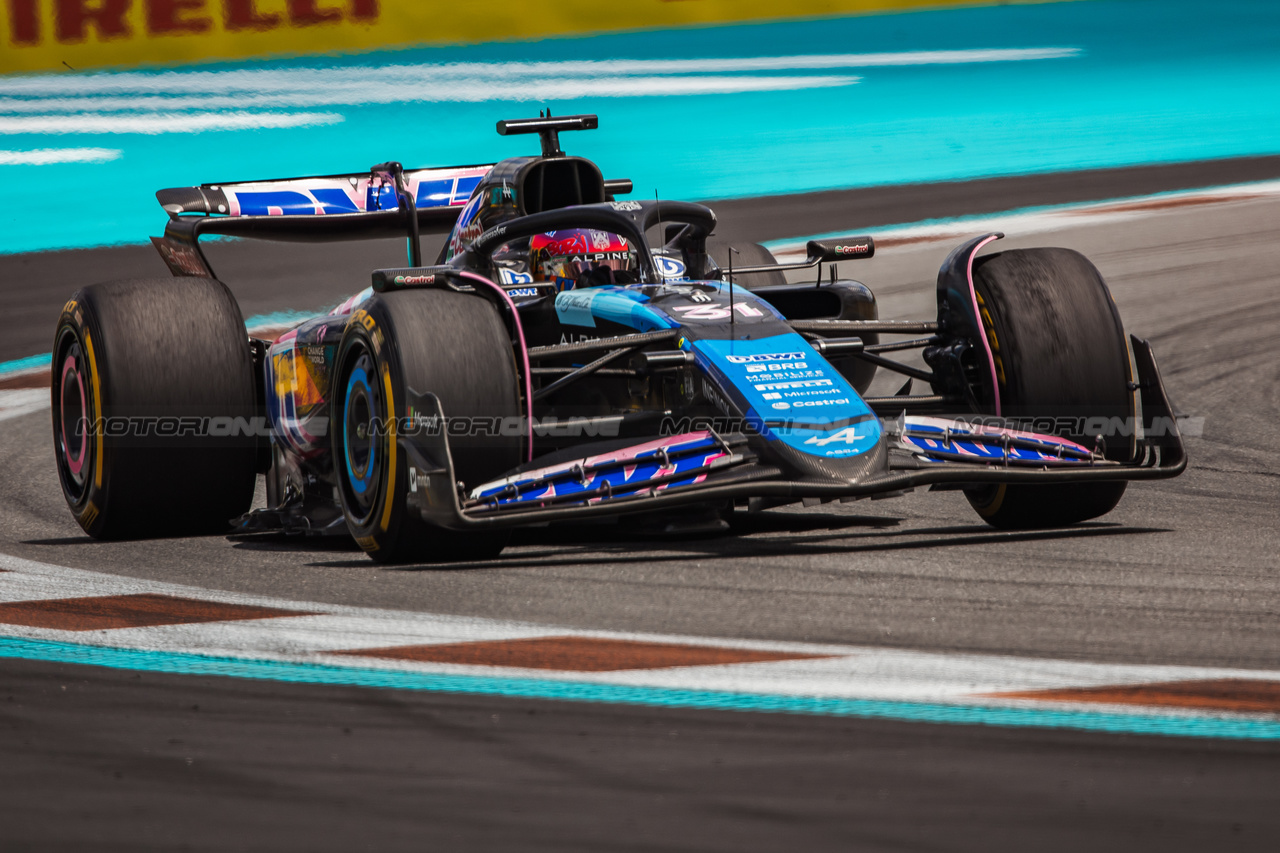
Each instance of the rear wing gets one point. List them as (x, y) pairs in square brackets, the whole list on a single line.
[(386, 201)]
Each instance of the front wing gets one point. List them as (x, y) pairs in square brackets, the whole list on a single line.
[(704, 467)]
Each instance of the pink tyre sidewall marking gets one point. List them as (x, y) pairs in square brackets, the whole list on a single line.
[(977, 315), (74, 463)]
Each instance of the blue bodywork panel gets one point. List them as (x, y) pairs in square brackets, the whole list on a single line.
[(795, 395), (753, 367)]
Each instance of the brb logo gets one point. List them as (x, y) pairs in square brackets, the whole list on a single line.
[(776, 366)]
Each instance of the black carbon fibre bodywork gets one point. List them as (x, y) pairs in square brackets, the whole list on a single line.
[(618, 364)]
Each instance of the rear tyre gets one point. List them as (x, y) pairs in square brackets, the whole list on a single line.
[(453, 345), (1061, 353), (747, 255), (148, 378)]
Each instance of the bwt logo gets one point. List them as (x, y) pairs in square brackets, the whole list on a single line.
[(765, 357), (112, 19), (852, 249)]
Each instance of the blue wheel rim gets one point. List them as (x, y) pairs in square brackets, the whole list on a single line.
[(360, 459)]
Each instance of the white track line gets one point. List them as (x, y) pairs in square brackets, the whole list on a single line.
[(848, 672), (22, 401), (1017, 223), (51, 156), (369, 78), (476, 90), (153, 123)]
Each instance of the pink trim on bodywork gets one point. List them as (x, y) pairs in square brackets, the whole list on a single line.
[(524, 351), (977, 316), (349, 305), (620, 455), (961, 428)]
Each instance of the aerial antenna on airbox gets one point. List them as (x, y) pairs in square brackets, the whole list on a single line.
[(657, 205), (732, 252), (548, 128)]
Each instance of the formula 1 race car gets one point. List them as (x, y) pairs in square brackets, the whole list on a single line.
[(556, 363)]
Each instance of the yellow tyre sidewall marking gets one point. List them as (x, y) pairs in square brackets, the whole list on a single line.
[(996, 502), (391, 449)]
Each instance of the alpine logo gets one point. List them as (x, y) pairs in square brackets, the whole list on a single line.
[(848, 435)]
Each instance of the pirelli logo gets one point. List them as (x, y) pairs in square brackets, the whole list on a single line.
[(787, 386), (35, 22), (88, 516), (54, 35), (43, 35)]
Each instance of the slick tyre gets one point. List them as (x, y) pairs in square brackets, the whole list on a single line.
[(453, 345), (153, 404), (1061, 354)]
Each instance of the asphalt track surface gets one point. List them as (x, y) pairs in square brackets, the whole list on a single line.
[(1183, 572)]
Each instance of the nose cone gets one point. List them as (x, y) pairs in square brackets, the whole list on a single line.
[(809, 418)]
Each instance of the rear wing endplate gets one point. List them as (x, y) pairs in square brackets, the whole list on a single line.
[(370, 205)]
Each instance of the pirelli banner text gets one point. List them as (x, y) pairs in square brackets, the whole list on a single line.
[(48, 35)]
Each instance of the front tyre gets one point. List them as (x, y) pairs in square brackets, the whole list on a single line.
[(1061, 355), (453, 345)]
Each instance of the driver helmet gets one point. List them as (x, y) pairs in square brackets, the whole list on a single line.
[(581, 257)]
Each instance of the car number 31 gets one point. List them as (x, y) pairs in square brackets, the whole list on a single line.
[(716, 312)]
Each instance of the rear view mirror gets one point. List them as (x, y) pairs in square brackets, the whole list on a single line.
[(844, 249)]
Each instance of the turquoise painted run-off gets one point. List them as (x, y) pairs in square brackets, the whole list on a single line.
[(31, 362), (1234, 728), (1224, 727), (1151, 81)]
